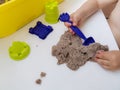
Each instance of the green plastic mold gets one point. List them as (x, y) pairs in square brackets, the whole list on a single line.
[(51, 12), (19, 50)]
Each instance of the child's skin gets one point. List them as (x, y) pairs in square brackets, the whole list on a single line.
[(111, 8)]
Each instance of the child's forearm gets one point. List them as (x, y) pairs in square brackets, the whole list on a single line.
[(91, 6), (88, 8)]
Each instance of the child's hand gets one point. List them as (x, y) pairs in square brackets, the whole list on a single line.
[(75, 18), (68, 26), (108, 59)]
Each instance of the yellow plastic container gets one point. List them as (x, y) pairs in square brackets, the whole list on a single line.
[(14, 14)]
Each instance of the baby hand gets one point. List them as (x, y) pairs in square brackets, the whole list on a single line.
[(68, 26), (75, 19), (108, 59)]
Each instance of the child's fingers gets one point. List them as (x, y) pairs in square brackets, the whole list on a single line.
[(106, 67), (99, 51), (71, 31), (72, 19), (103, 62), (67, 24), (75, 22), (102, 55)]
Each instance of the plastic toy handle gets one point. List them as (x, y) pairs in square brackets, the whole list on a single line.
[(65, 17), (78, 32)]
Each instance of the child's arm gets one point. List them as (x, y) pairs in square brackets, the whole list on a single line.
[(104, 3), (88, 9), (91, 6)]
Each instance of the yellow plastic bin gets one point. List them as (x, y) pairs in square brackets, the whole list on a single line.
[(14, 14)]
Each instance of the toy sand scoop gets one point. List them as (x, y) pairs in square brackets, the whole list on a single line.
[(66, 18)]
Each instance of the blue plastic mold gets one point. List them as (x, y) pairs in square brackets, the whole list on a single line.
[(41, 30)]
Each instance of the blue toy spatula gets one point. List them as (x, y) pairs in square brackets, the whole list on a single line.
[(66, 18)]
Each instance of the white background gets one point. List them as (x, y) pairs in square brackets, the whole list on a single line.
[(21, 75)]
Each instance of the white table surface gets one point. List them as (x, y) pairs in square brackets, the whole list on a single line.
[(21, 75)]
